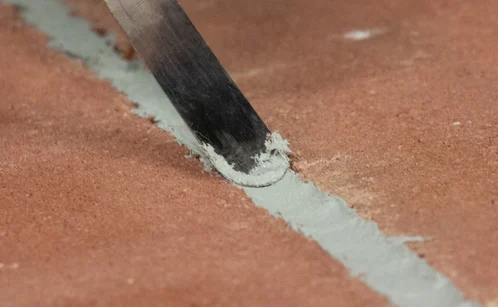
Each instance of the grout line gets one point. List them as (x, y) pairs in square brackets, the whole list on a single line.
[(385, 264)]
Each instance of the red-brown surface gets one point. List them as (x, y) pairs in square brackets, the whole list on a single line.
[(100, 208), (98, 15), (404, 125)]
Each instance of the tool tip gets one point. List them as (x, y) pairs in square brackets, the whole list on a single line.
[(271, 165)]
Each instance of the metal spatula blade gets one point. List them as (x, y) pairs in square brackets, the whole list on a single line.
[(193, 79)]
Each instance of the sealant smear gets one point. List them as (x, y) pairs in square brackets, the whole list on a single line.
[(388, 267), (271, 165)]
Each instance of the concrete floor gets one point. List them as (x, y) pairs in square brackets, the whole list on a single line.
[(402, 124)]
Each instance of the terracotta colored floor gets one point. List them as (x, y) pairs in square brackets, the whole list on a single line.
[(100, 208), (404, 125)]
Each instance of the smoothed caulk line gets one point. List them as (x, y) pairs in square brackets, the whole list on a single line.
[(386, 265)]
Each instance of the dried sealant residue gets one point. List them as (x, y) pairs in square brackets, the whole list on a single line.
[(358, 35)]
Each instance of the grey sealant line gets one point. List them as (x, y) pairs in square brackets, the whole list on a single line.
[(385, 264)]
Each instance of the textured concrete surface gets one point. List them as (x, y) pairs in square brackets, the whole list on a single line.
[(100, 208), (403, 124), (380, 261), (98, 15)]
